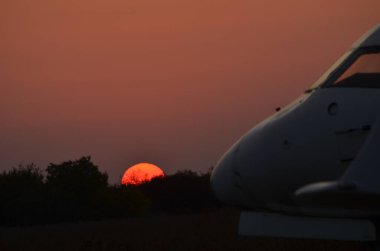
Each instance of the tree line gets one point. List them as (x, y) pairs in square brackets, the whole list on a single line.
[(78, 191)]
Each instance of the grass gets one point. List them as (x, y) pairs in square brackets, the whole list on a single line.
[(206, 231)]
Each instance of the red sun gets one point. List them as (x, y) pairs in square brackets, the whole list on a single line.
[(141, 173)]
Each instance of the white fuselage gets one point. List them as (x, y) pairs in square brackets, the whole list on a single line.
[(313, 139)]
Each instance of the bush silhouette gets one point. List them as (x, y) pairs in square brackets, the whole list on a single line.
[(183, 192), (122, 201), (21, 195)]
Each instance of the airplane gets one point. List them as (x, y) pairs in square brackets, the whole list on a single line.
[(315, 160)]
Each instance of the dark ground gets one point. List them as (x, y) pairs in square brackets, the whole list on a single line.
[(205, 231)]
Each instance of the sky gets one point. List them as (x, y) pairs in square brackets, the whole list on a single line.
[(171, 82)]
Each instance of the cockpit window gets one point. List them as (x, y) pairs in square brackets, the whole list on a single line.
[(363, 71)]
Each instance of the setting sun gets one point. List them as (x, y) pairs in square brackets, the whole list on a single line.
[(141, 173)]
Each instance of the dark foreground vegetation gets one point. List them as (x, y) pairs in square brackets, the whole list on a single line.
[(213, 230), (78, 191), (71, 206)]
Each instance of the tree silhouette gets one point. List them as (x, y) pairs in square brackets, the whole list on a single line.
[(77, 190), (74, 188), (76, 178)]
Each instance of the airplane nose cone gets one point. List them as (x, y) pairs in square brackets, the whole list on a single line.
[(225, 180)]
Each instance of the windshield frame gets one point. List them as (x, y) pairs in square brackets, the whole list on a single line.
[(346, 63)]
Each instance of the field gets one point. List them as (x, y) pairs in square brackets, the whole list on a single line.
[(206, 231)]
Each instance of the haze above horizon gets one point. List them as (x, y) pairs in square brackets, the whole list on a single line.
[(173, 83)]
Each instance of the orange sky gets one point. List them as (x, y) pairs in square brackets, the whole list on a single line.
[(173, 82)]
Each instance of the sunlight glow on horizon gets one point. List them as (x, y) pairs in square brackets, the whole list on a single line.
[(141, 173)]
